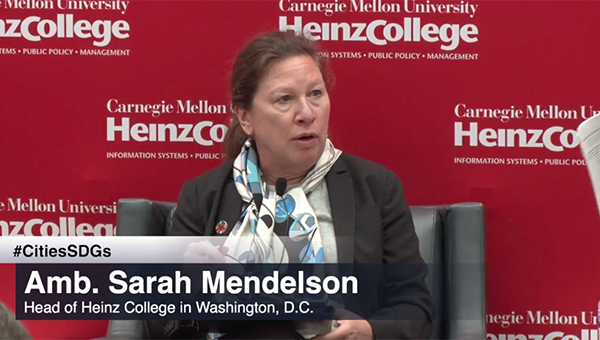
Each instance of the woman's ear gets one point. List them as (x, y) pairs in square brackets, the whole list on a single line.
[(243, 117)]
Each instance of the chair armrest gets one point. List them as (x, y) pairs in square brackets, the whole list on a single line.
[(118, 337), (465, 252), (124, 330)]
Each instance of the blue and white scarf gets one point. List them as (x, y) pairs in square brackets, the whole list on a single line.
[(253, 238)]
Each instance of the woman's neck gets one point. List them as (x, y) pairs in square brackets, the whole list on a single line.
[(292, 178)]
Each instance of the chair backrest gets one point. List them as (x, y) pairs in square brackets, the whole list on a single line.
[(142, 217), (139, 217), (429, 228), (451, 241)]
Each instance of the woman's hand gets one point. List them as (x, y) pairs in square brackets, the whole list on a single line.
[(350, 326), (349, 329), (204, 252)]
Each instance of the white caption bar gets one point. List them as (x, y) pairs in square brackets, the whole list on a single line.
[(101, 249)]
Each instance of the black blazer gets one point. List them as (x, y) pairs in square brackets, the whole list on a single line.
[(369, 208)]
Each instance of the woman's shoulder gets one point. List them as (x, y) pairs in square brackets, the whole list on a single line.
[(214, 177), (363, 167), (368, 176)]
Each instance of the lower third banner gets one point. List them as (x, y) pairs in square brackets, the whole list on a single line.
[(218, 292)]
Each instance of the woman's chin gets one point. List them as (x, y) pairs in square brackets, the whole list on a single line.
[(307, 158)]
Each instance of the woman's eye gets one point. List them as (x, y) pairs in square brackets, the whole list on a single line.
[(284, 99), (316, 93)]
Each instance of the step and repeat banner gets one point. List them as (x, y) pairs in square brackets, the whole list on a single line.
[(464, 100)]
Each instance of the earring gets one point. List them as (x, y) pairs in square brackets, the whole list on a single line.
[(248, 144)]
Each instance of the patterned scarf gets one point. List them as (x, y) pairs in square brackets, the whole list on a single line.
[(253, 238)]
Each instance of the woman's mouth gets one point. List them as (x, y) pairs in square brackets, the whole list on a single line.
[(306, 139)]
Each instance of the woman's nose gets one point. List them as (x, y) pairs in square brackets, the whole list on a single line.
[(306, 111)]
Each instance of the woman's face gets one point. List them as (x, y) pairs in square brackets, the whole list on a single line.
[(289, 116)]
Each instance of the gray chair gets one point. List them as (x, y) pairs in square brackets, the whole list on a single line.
[(452, 241)]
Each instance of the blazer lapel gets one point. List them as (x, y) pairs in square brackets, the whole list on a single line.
[(229, 210), (341, 199)]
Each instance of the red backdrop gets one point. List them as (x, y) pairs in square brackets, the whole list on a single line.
[(542, 223)]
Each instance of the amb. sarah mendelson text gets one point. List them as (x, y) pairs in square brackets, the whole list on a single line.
[(211, 282)]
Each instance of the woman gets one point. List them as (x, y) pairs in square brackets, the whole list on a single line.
[(280, 159)]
